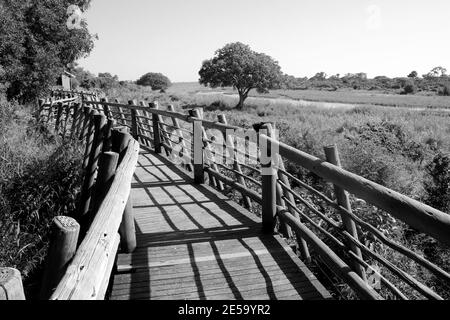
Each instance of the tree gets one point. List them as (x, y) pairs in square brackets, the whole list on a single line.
[(413, 74), (436, 73), (238, 66), (36, 45), (157, 81)]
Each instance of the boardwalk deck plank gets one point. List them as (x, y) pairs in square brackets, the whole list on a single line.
[(195, 243)]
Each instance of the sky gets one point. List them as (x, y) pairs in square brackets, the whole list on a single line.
[(174, 37)]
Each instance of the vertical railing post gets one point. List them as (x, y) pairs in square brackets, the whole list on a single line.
[(11, 287), (63, 245), (99, 122), (127, 228), (134, 124), (156, 132), (197, 140), (179, 132), (106, 109), (229, 142), (58, 117), (268, 180), (332, 156)]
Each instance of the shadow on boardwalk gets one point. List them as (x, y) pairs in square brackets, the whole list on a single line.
[(195, 243)]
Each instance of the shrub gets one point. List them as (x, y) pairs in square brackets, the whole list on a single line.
[(445, 90), (156, 81), (39, 179), (438, 186), (409, 88)]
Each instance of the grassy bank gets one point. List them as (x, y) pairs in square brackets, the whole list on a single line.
[(39, 179)]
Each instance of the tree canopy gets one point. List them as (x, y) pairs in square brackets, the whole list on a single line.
[(157, 81), (238, 66), (36, 44)]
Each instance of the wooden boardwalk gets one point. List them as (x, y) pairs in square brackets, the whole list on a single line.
[(195, 243)]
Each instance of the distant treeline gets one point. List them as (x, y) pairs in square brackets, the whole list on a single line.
[(436, 81)]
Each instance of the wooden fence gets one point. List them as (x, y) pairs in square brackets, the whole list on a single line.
[(83, 248), (328, 228), (324, 225)]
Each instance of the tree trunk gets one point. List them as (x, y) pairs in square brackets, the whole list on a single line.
[(242, 97)]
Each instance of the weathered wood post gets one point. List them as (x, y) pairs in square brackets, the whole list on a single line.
[(107, 142), (75, 119), (176, 124), (106, 109), (332, 156), (197, 140), (134, 123), (127, 229), (11, 287), (58, 116), (123, 120), (99, 121), (88, 134), (107, 166), (41, 103), (269, 181), (229, 141), (63, 245), (156, 132), (196, 113)]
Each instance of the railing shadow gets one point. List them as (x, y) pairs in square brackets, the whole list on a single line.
[(214, 241)]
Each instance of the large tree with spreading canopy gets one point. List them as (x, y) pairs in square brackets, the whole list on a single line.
[(238, 66), (38, 40)]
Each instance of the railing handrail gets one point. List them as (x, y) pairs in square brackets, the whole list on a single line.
[(414, 213), (86, 276)]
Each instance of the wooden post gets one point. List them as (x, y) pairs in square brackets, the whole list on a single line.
[(156, 132), (58, 117), (107, 142), (89, 136), (332, 156), (127, 228), (75, 119), (141, 126), (123, 120), (107, 166), (134, 125), (41, 103), (230, 142), (63, 245), (119, 140), (176, 124), (11, 287), (197, 113), (91, 169), (106, 109), (197, 137), (269, 181)]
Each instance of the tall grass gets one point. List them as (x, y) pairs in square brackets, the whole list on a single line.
[(39, 179)]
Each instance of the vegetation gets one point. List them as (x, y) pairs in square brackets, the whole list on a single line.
[(29, 31), (157, 81), (39, 179), (238, 66)]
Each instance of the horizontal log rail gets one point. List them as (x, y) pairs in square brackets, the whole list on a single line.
[(85, 275)]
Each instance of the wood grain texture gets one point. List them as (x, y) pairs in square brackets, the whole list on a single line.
[(84, 278), (195, 243)]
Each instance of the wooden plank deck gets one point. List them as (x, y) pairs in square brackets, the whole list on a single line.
[(195, 243)]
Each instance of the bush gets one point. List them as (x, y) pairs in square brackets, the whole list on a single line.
[(409, 88), (445, 90), (156, 81)]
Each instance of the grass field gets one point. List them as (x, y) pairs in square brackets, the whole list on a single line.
[(345, 96)]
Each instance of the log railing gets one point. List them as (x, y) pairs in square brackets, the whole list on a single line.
[(231, 162), (84, 247), (327, 225)]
